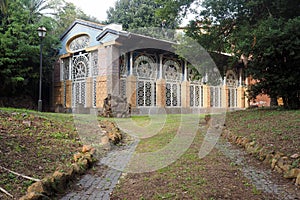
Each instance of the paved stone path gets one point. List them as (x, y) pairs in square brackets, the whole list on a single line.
[(99, 185), (260, 178)]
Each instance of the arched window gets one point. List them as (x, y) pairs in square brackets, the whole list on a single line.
[(232, 82), (80, 67), (78, 43), (145, 69), (173, 75)]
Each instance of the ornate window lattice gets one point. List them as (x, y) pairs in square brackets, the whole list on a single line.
[(79, 43), (146, 93), (173, 94), (66, 69), (232, 97), (79, 91), (232, 82), (231, 79), (123, 87), (215, 96), (94, 63), (80, 66), (196, 95), (172, 70), (123, 66), (145, 67)]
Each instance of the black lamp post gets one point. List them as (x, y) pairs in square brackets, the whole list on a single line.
[(42, 33)]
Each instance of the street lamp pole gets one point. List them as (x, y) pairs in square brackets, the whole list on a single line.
[(42, 33)]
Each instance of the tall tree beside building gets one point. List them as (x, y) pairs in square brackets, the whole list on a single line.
[(265, 31), (19, 50), (134, 14)]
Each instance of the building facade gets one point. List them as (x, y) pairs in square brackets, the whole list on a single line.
[(97, 60)]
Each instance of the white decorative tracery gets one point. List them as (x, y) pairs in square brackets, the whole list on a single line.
[(79, 43), (173, 75), (80, 70), (173, 94), (215, 96), (146, 93), (94, 63), (196, 95), (172, 70), (66, 68), (80, 66), (145, 67), (123, 74), (232, 82), (231, 79), (123, 66)]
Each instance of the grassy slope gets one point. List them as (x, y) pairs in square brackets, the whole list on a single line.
[(276, 130), (35, 150)]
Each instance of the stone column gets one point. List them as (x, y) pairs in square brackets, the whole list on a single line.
[(113, 78), (185, 94), (131, 90), (161, 93)]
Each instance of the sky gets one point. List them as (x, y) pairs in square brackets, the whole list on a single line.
[(96, 8)]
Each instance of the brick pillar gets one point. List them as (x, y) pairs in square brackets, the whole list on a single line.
[(101, 92), (161, 93), (89, 92), (240, 97), (68, 93), (185, 94), (131, 90), (225, 96), (206, 96)]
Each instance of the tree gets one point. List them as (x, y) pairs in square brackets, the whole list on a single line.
[(265, 31), (65, 15), (133, 14), (19, 51)]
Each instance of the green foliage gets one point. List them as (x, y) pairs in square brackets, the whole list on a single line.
[(19, 48), (265, 31), (133, 14), (20, 44)]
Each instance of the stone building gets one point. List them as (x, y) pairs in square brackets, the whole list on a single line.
[(101, 60)]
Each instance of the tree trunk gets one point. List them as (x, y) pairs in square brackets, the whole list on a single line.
[(273, 102)]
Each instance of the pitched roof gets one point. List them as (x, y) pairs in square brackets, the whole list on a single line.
[(85, 23)]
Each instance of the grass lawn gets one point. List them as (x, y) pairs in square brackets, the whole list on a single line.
[(213, 177)]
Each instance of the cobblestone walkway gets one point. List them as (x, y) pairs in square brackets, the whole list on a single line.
[(99, 185), (260, 178)]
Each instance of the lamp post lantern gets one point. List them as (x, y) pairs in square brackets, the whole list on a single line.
[(42, 33)]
